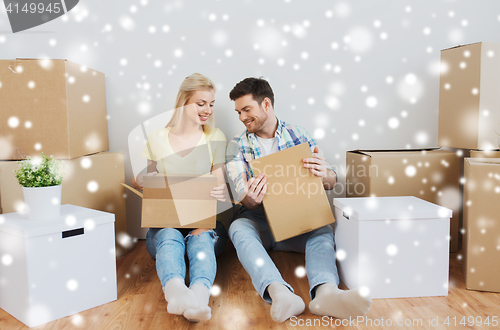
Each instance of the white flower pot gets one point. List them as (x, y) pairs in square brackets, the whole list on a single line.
[(43, 203)]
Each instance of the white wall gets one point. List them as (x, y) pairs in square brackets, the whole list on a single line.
[(326, 90)]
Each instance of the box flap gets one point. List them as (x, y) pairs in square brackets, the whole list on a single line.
[(374, 152), (135, 191), (72, 217), (483, 161), (458, 46), (390, 208)]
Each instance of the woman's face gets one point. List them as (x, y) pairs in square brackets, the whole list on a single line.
[(200, 106)]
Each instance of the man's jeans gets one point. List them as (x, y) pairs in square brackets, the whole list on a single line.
[(251, 237), (168, 246)]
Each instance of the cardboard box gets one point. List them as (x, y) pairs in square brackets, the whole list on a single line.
[(485, 154), (295, 202), (469, 103), (57, 267), (481, 245), (178, 201), (395, 247), (90, 181), (54, 106), (431, 174)]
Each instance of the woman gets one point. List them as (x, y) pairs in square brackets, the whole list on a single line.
[(189, 144)]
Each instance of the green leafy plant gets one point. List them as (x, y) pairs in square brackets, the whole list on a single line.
[(40, 172)]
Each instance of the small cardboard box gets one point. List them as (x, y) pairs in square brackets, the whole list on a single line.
[(178, 201), (54, 106), (56, 267), (395, 247), (295, 202), (90, 181), (485, 154), (469, 105), (481, 245), (430, 174)]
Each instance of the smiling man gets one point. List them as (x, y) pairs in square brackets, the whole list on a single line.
[(249, 232)]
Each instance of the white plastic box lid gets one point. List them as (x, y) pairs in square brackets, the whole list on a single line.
[(72, 218), (390, 208)]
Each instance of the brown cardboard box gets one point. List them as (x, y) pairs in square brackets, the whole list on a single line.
[(481, 245), (485, 154), (469, 102), (178, 201), (90, 181), (54, 106), (295, 202), (432, 175)]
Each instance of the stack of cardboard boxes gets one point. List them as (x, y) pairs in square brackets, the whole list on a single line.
[(59, 108), (469, 123)]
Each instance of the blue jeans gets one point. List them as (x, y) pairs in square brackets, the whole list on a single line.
[(251, 238), (169, 246)]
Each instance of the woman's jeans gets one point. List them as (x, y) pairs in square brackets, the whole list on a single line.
[(169, 246)]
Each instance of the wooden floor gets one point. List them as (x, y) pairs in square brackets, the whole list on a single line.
[(141, 304)]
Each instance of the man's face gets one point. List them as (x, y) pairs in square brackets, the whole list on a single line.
[(251, 114)]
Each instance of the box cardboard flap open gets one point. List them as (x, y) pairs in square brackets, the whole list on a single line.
[(396, 151), (295, 201), (483, 161), (178, 201)]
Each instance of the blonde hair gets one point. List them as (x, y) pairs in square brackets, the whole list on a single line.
[(192, 83)]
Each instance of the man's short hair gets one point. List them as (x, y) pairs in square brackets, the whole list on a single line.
[(258, 87)]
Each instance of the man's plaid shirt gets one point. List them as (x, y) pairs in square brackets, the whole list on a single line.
[(244, 148)]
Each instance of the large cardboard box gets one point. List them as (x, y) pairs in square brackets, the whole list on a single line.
[(485, 154), (295, 202), (57, 267), (178, 201), (469, 102), (54, 106), (394, 246), (90, 181), (431, 174), (481, 245)]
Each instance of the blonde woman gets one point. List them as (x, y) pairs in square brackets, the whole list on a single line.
[(189, 144)]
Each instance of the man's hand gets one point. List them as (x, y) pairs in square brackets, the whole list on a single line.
[(317, 165), (255, 189), (220, 193)]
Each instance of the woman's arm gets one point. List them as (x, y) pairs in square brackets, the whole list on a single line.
[(220, 191)]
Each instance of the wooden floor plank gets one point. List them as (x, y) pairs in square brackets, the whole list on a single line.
[(141, 304)]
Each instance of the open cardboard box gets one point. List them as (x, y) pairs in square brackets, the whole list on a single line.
[(178, 201), (54, 106), (295, 202)]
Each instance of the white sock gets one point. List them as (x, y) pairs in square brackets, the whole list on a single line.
[(179, 297), (203, 312), (285, 304), (332, 301)]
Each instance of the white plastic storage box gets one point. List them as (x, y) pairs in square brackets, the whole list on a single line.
[(54, 268), (394, 246)]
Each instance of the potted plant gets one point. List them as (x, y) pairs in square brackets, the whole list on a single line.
[(41, 179)]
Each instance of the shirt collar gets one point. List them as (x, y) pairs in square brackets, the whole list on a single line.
[(278, 133)]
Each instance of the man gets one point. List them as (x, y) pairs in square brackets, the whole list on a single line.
[(249, 232)]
